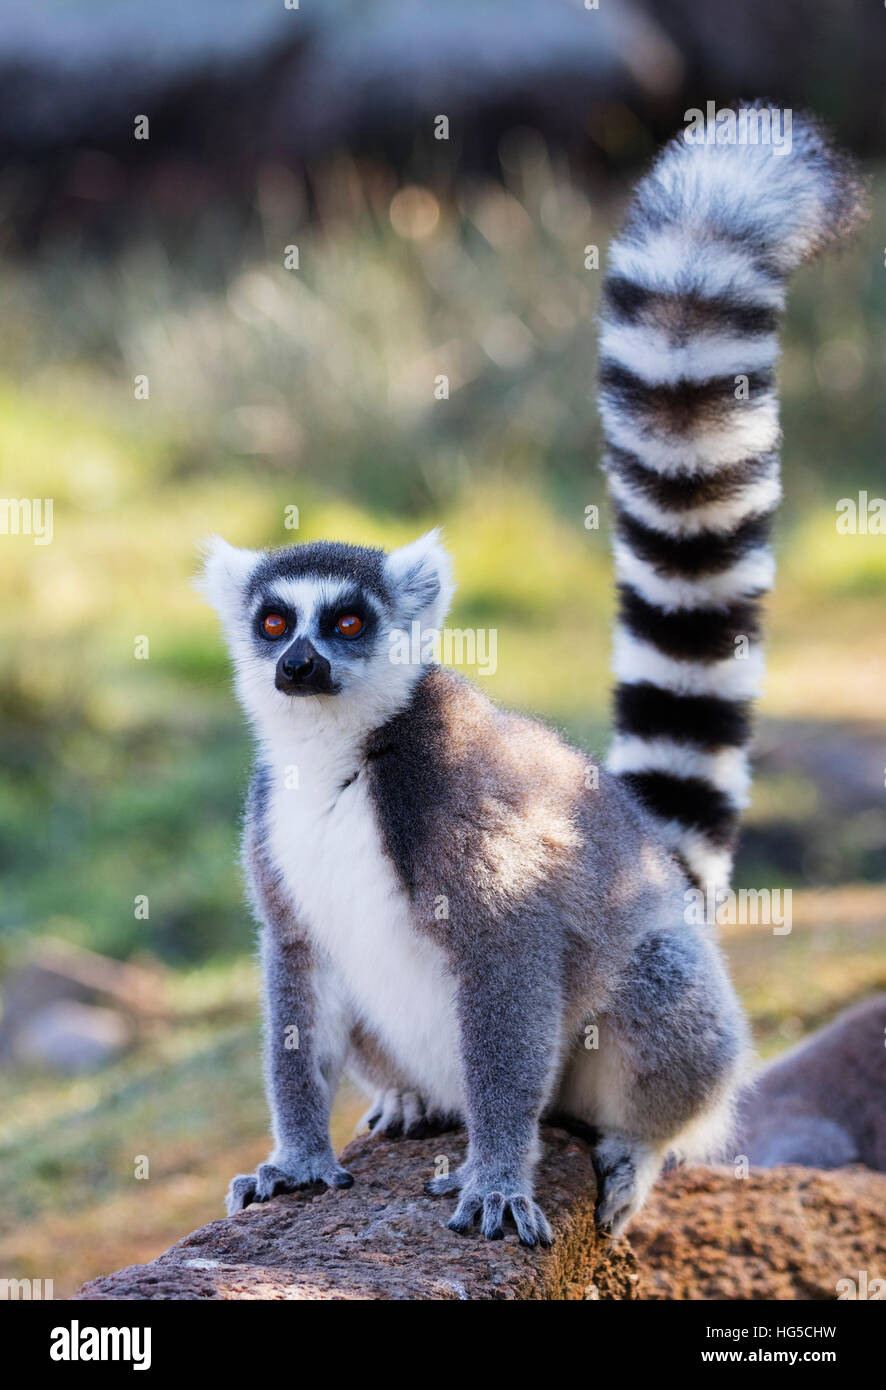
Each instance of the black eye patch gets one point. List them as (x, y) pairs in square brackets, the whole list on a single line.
[(270, 609), (353, 604)]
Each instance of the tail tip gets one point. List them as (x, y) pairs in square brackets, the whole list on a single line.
[(774, 172), (847, 205)]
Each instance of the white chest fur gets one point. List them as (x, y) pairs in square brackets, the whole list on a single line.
[(326, 842)]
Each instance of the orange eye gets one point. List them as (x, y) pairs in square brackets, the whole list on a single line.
[(274, 625), (349, 625)]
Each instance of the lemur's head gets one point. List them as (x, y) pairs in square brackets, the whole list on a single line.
[(319, 628)]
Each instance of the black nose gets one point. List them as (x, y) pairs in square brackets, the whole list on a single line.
[(293, 672), (301, 670)]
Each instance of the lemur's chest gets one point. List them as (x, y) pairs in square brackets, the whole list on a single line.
[(328, 848)]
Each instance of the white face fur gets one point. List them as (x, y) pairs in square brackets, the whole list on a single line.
[(333, 612)]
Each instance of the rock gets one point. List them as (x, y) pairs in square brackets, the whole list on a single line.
[(71, 1037), (788, 1233), (60, 991), (781, 1233), (384, 1239)]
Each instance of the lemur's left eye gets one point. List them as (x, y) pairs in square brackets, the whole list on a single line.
[(274, 625), (349, 625)]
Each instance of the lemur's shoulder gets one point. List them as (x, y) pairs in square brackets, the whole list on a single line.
[(465, 790), (449, 720)]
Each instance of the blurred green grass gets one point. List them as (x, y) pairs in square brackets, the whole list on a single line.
[(271, 389)]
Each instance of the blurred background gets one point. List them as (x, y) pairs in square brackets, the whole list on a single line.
[(129, 1024)]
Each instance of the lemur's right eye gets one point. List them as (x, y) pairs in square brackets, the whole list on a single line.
[(274, 625)]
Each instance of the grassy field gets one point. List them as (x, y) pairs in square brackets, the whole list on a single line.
[(271, 389)]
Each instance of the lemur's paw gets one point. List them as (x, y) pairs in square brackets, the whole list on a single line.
[(396, 1114), (625, 1173), (491, 1208), (269, 1180), (489, 1202), (404, 1114)]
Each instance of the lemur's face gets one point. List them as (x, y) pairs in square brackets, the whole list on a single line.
[(323, 622)]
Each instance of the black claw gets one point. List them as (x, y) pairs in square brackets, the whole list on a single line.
[(343, 1180), (441, 1124)]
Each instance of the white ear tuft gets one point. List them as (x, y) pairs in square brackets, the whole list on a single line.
[(421, 576), (224, 572)]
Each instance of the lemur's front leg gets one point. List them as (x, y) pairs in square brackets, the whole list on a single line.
[(306, 1036), (509, 1031)]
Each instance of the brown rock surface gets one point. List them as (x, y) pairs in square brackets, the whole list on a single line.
[(384, 1239), (787, 1233), (781, 1233)]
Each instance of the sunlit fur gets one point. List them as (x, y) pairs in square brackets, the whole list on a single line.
[(409, 789), (453, 903)]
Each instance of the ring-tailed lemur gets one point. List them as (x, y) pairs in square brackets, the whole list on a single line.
[(449, 902)]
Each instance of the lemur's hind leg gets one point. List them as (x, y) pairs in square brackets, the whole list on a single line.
[(625, 1165), (671, 1047), (626, 1169), (396, 1114), (398, 1110)]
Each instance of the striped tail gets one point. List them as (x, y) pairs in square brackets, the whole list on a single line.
[(692, 301)]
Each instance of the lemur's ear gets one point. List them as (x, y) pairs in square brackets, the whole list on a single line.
[(420, 574), (224, 572)]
